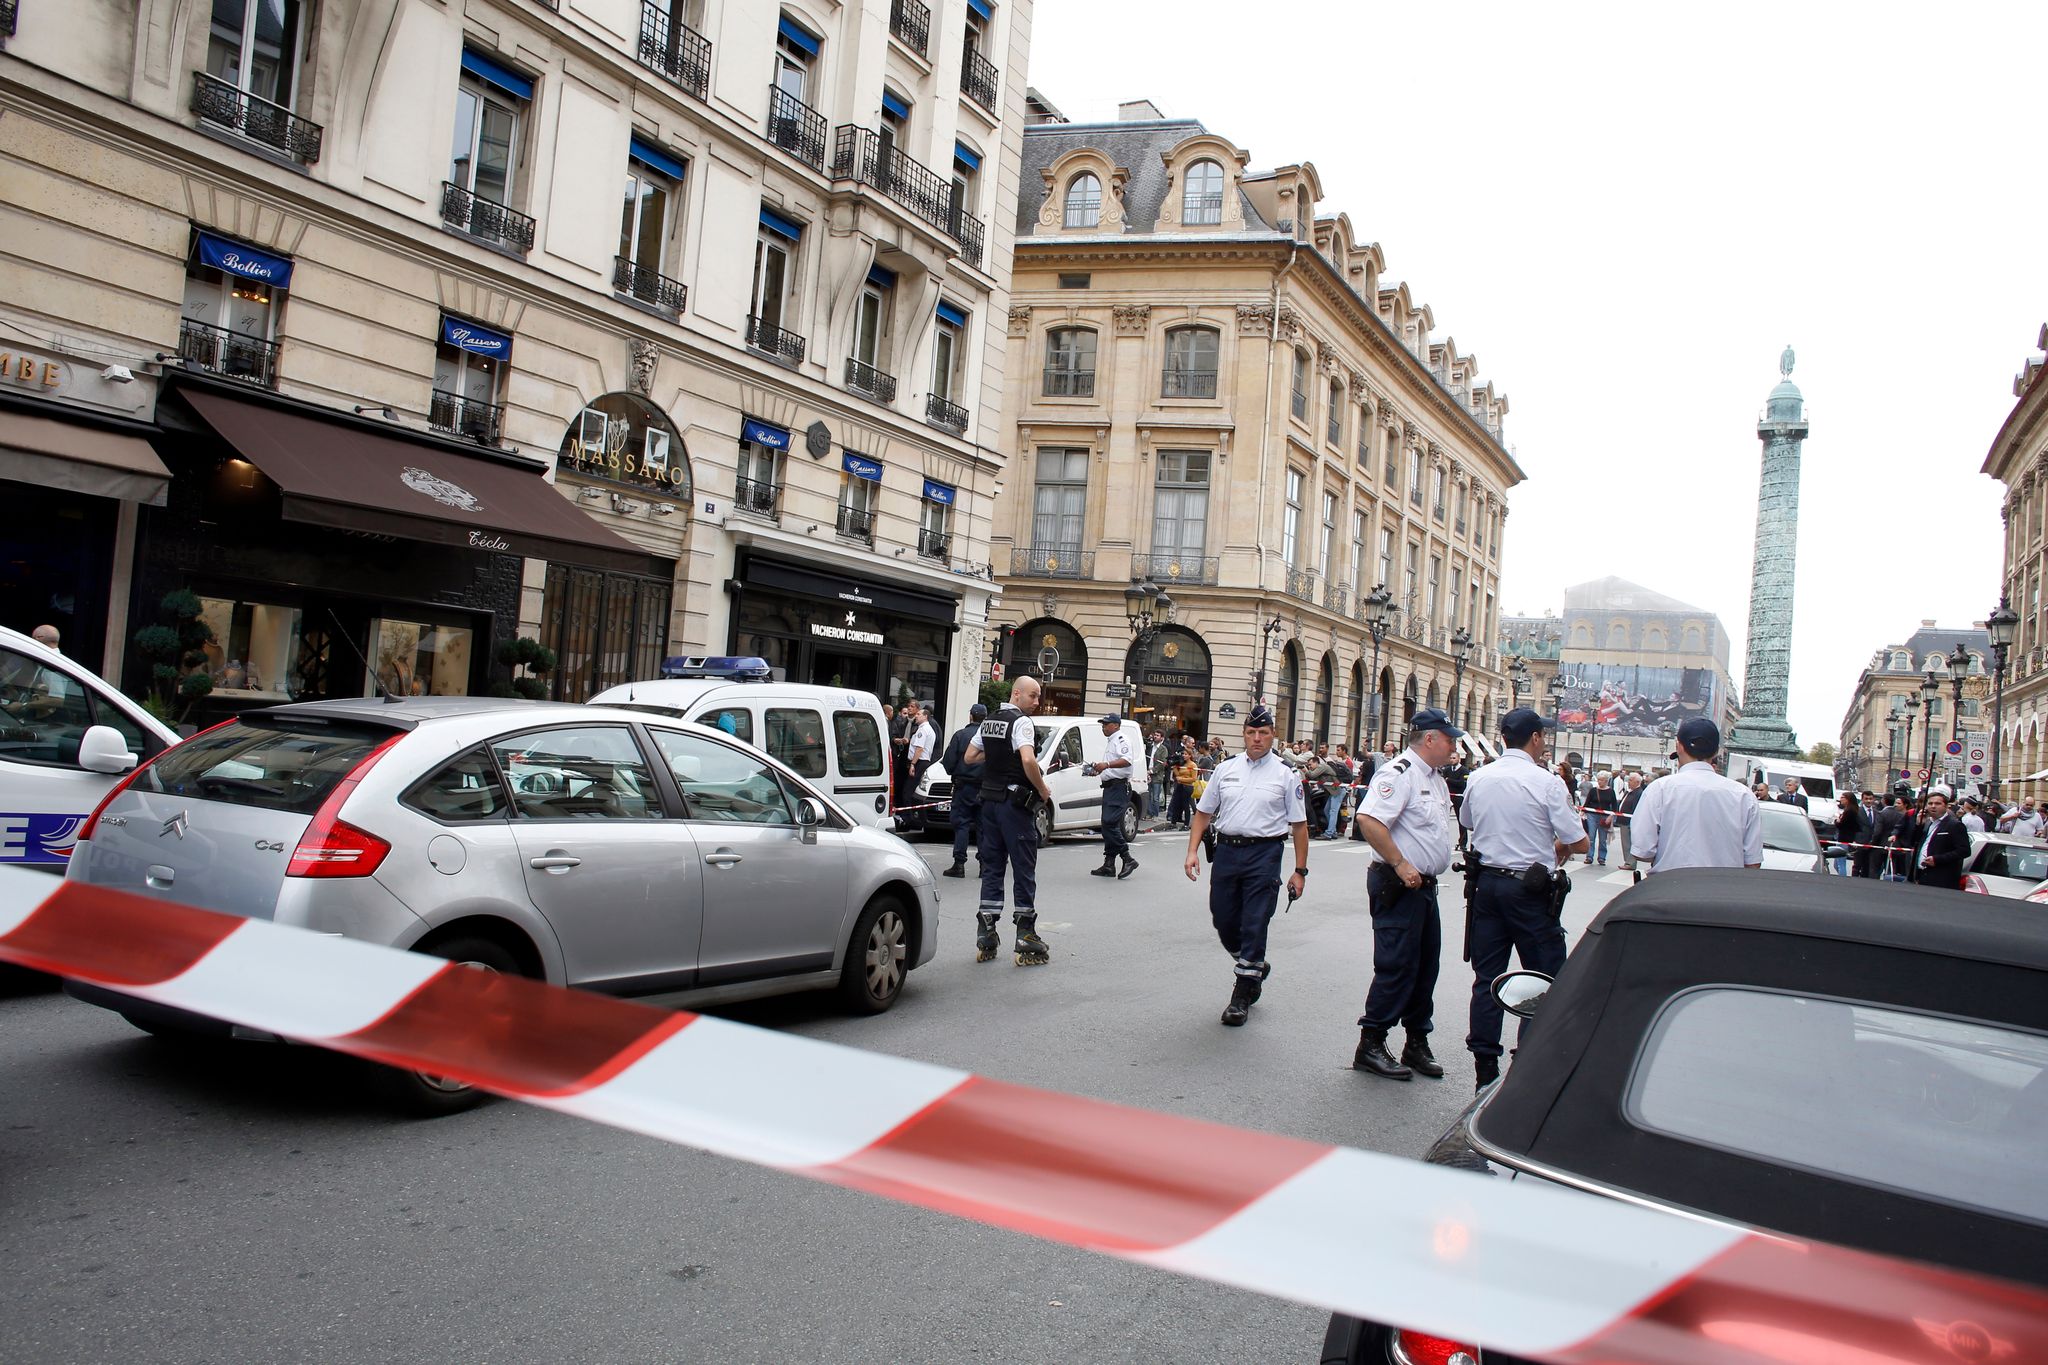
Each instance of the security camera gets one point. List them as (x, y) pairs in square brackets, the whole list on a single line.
[(118, 374)]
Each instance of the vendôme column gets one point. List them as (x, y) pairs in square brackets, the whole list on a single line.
[(1768, 671)]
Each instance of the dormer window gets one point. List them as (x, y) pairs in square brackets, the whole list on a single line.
[(1084, 201), (1202, 201)]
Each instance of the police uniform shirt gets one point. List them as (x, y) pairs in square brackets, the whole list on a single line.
[(1254, 800), (1697, 818), (1118, 745), (1409, 797), (922, 741), (1518, 813)]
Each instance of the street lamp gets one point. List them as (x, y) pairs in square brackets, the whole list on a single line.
[(1930, 693), (1267, 632), (2003, 627), (1145, 604), (1379, 618), (1959, 669), (1912, 710), (1518, 677), (1461, 650)]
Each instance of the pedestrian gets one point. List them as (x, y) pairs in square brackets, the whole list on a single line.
[(1973, 815), (1897, 831), (898, 720), (1866, 858), (1406, 818), (1570, 780), (1696, 817), (1601, 804), (924, 743), (1157, 767), (1792, 796), (47, 637), (1012, 786), (1761, 790), (1119, 761), (1255, 805), (1624, 816), (1342, 777), (1185, 774), (966, 788), (2023, 820), (1520, 820), (1849, 829), (1944, 844)]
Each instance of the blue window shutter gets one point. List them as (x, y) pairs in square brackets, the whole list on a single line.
[(246, 261), (781, 226), (893, 103), (797, 35), (861, 467), (964, 155), (983, 8), (948, 313), (761, 433), (652, 157), (934, 491), (475, 338), (494, 72), (881, 277)]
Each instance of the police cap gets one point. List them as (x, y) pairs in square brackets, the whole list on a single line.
[(1700, 737), (1112, 720), (1259, 717), (1518, 725), (978, 711), (1429, 718)]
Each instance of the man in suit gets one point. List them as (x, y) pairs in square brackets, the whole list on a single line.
[(1792, 796), (1867, 860), (1944, 845)]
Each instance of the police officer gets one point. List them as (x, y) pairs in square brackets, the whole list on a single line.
[(1406, 818), (1011, 784), (1255, 802), (966, 778), (1696, 817), (1522, 828), (1119, 763)]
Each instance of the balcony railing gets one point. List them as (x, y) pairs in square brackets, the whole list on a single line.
[(1198, 210), (1438, 511), (674, 49), (857, 523), (460, 416), (967, 231), (482, 219), (861, 154), (1169, 568), (945, 413), (796, 127), (1337, 597), (223, 103), (1187, 384), (1301, 583), (870, 381), (1415, 496), (766, 336), (650, 287), (934, 544), (759, 498), (1458, 526), (1064, 382), (912, 25), (7, 18), (217, 350), (979, 79), (1052, 561)]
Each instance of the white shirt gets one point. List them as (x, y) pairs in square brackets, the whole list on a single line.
[(922, 741), (1697, 818), (2028, 825), (1973, 823), (1115, 745), (1254, 800), (1518, 813), (1409, 797)]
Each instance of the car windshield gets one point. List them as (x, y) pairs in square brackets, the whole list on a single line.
[(2021, 861), (273, 765), (1929, 1105), (1787, 830)]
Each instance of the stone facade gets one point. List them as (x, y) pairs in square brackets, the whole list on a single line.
[(2018, 459), (1889, 730)]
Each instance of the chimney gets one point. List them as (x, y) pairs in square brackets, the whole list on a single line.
[(1137, 111)]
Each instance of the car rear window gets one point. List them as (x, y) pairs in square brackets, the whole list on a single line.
[(466, 787), (2014, 860), (279, 765), (1927, 1105), (797, 737), (736, 721), (859, 739)]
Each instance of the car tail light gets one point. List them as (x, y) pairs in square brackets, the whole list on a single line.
[(332, 847), (92, 822), (1420, 1348), (2039, 895), (1975, 885)]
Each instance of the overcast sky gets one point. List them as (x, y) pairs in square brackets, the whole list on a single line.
[(1626, 212)]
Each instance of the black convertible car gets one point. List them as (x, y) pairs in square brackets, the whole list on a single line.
[(1826, 1058)]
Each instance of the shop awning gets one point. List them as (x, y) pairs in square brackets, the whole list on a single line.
[(80, 459), (333, 474)]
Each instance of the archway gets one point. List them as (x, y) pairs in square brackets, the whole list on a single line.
[(1290, 689), (1433, 703), (1357, 706), (1383, 706), (1408, 701), (1171, 679), (1049, 639), (1326, 689)]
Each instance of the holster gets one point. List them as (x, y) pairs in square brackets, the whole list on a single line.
[(1472, 866), (1560, 887), (1209, 844)]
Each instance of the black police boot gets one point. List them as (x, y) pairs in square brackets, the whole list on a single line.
[(1485, 1071), (1372, 1055), (1416, 1056), (1031, 949), (1130, 866), (958, 869), (1108, 868), (1242, 997), (985, 941)]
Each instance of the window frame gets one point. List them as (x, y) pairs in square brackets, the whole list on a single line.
[(1069, 380), (292, 64), (1064, 489), (1083, 212), (1297, 403), (1208, 214), (671, 191), (1290, 517), (487, 96), (1195, 383), (766, 244)]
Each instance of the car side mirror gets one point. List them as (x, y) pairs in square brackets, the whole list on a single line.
[(102, 750), (1520, 992), (809, 815)]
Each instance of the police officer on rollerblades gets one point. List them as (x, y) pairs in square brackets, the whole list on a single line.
[(1012, 785)]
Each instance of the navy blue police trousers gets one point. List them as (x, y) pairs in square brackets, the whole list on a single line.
[(1244, 894), (1507, 918)]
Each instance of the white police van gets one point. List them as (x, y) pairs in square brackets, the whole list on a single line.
[(66, 738)]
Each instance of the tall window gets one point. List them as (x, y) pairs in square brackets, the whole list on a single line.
[(1408, 577), (1365, 439), (230, 315), (256, 45), (653, 185), (1070, 362), (1290, 524), (1325, 552), (871, 323), (1180, 504), (1084, 201), (796, 49), (469, 375), (966, 185), (935, 521), (774, 274), (1300, 399), (860, 486), (1358, 584), (1457, 594), (760, 471), (895, 129), (1190, 363), (1202, 201), (1474, 622), (1436, 575), (486, 139), (946, 353), (1336, 432), (1386, 556), (1415, 475), (1440, 486), (1459, 523), (1058, 509), (1393, 439)]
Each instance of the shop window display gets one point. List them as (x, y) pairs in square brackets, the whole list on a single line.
[(255, 648), (418, 659)]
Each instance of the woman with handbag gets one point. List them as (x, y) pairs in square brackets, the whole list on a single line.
[(1181, 813)]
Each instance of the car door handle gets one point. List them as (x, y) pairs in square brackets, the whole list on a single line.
[(556, 862), (725, 857)]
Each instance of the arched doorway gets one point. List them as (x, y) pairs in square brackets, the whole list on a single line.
[(1357, 706), (1290, 689), (1433, 703), (1408, 702), (1171, 678), (1385, 704), (1326, 697), (1066, 682)]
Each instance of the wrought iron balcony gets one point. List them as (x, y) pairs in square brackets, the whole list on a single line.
[(1170, 568), (934, 544), (856, 523), (482, 219), (766, 336), (229, 106), (1198, 210), (861, 154), (759, 498), (460, 416), (217, 350), (1065, 382), (1415, 496), (796, 127), (7, 18), (870, 381), (979, 79), (945, 413), (1301, 583), (650, 287), (1052, 561), (674, 49), (1187, 384), (912, 25), (1439, 511), (1458, 526), (968, 232), (1337, 597)]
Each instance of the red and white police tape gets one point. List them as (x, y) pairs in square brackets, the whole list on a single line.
[(1521, 1266)]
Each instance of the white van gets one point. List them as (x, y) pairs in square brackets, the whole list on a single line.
[(66, 738), (833, 737), (1065, 745)]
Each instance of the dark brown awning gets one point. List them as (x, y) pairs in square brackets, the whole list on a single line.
[(334, 474), (80, 459)]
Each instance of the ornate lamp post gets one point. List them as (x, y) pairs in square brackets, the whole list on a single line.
[(1266, 634), (1379, 619), (1556, 691), (1958, 669), (2003, 627), (1145, 604), (1461, 650), (1912, 710), (1518, 677), (1930, 693), (1669, 734)]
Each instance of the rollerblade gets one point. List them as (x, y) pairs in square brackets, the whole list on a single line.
[(1031, 949), (985, 941)]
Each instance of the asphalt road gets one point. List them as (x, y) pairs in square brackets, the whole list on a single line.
[(167, 1202)]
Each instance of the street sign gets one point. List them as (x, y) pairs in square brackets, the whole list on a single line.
[(1952, 748), (1119, 689), (995, 672), (1976, 770), (1227, 711), (1048, 660), (1976, 755)]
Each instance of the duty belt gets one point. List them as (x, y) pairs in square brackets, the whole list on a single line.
[(1517, 873), (1387, 869), (1247, 840)]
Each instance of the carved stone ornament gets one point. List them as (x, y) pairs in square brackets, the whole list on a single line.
[(1020, 321), (1131, 318), (1359, 388), (640, 374), (1290, 325), (1254, 320)]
